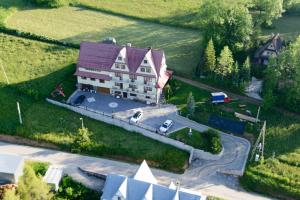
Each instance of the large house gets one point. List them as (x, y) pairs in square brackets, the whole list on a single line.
[(143, 186), (271, 48), (124, 71)]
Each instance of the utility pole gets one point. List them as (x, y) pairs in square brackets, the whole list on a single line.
[(257, 116), (19, 113), (5, 75), (263, 139)]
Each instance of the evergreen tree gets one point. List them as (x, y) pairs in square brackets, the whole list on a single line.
[(82, 140), (235, 73), (191, 104), (245, 72), (32, 187), (209, 57), (225, 63)]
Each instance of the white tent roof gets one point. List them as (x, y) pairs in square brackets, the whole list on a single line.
[(9, 163), (131, 188), (53, 175), (144, 174)]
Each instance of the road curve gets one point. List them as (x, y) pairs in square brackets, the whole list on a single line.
[(71, 162)]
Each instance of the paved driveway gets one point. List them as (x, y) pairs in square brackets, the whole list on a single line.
[(153, 116)]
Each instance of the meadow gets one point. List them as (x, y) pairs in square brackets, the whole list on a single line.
[(33, 69), (182, 46)]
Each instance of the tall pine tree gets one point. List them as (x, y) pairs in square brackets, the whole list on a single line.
[(209, 57), (225, 63), (245, 72)]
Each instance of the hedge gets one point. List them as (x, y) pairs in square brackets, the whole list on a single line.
[(32, 36)]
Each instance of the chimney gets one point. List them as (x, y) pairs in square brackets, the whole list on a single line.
[(128, 44)]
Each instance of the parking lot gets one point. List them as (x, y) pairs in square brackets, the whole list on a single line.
[(153, 116)]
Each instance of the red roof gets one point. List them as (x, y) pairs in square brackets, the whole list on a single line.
[(102, 56), (92, 75)]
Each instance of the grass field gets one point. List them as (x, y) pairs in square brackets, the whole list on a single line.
[(33, 69), (208, 141), (282, 140), (182, 46)]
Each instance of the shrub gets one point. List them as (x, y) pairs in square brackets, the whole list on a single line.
[(51, 3), (71, 190)]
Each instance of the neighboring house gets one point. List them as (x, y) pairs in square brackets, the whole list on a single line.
[(143, 186), (124, 71), (11, 168), (271, 48)]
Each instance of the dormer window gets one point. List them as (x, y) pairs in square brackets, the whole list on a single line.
[(145, 61)]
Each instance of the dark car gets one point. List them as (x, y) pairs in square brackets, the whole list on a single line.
[(79, 100)]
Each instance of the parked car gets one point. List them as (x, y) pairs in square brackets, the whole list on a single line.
[(79, 100), (166, 126), (136, 117)]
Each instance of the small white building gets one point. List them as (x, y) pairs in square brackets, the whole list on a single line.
[(11, 168), (143, 186), (53, 176)]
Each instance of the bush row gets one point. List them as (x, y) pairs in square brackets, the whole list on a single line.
[(32, 36), (51, 3)]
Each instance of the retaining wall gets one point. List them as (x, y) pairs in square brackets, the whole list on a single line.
[(142, 129)]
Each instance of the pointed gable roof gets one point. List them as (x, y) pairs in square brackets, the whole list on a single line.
[(112, 185), (102, 56), (98, 55), (144, 174)]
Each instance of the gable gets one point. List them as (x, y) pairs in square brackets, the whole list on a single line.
[(120, 61)]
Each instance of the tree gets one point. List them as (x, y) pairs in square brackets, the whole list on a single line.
[(82, 140), (209, 57), (32, 187), (235, 73), (225, 63), (269, 10), (10, 195), (191, 105), (226, 24), (245, 71), (168, 91)]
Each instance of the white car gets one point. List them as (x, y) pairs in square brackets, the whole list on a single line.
[(166, 126), (136, 117)]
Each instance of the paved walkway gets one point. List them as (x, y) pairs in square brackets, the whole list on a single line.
[(190, 179)]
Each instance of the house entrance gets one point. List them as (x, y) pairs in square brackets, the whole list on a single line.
[(125, 94)]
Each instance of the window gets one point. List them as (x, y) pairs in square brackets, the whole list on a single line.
[(92, 79), (117, 66), (132, 77), (101, 81), (119, 58), (123, 66), (143, 69), (147, 97), (145, 61), (132, 86), (133, 95), (83, 77), (148, 69), (147, 88), (118, 84)]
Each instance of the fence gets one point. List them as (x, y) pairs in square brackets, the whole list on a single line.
[(139, 128)]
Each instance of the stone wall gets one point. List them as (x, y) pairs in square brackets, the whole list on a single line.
[(139, 128)]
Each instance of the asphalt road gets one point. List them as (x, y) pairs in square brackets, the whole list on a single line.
[(224, 187)]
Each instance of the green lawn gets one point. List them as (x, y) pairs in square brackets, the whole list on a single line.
[(208, 141), (182, 46), (287, 26), (33, 69), (282, 140)]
